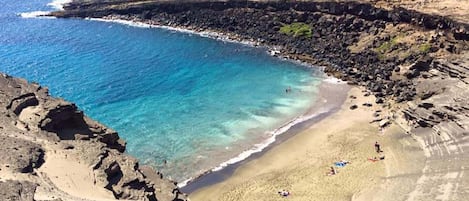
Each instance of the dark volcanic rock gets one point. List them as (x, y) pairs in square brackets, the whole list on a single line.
[(379, 100), (422, 64)]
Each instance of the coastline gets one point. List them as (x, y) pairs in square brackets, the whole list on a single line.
[(275, 51), (311, 113), (315, 112), (54, 4)]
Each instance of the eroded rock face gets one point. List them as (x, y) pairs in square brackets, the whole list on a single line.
[(20, 155), (38, 111), (35, 128), (17, 190), (442, 99)]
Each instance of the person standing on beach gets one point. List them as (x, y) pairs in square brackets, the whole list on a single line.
[(332, 171), (377, 147)]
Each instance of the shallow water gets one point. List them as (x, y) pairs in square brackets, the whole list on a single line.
[(192, 101)]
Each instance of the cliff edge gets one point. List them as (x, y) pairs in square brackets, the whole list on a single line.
[(51, 151)]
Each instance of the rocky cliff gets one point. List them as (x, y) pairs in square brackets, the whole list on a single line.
[(47, 142)]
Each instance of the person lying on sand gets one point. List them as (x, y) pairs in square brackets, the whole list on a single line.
[(374, 159), (341, 163), (381, 157), (284, 193)]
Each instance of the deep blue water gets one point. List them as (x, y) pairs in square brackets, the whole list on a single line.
[(192, 101)]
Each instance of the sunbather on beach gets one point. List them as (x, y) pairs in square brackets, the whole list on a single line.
[(381, 157), (284, 193), (374, 159), (342, 163)]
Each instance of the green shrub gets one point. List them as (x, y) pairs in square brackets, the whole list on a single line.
[(425, 48), (297, 29), (388, 45)]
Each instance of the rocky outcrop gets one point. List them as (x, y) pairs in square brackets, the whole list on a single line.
[(20, 155), (438, 120), (37, 111), (442, 102), (17, 190), (35, 128)]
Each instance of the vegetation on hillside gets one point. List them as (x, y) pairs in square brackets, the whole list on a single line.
[(297, 29)]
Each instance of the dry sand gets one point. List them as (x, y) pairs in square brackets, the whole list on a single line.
[(78, 181), (301, 163), (64, 175), (455, 9)]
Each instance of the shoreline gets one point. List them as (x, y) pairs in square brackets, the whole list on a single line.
[(316, 113), (275, 51), (261, 147), (54, 4), (310, 114)]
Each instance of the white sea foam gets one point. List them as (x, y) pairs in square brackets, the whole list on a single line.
[(58, 4), (207, 34), (333, 80), (35, 14), (125, 22), (261, 146)]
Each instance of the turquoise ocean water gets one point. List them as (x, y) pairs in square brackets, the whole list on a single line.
[(193, 101)]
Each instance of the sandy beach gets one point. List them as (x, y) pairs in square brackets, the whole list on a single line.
[(300, 164)]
